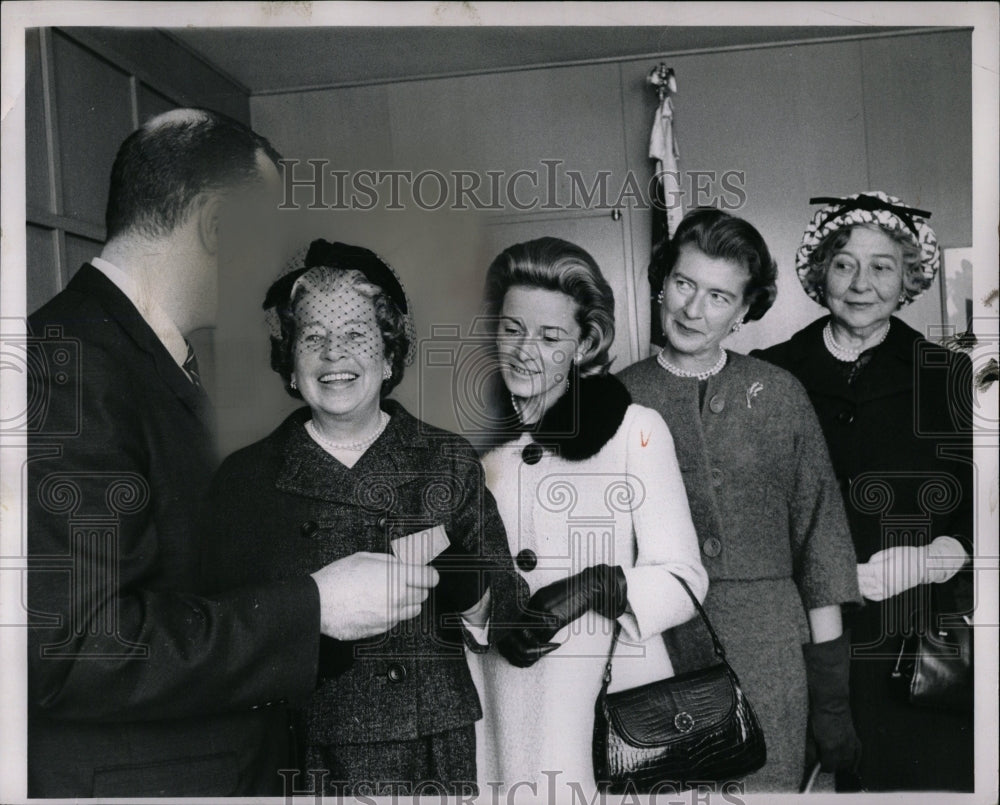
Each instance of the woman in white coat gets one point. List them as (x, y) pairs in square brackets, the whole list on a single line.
[(597, 519)]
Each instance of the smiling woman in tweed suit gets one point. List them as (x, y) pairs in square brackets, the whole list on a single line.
[(355, 477)]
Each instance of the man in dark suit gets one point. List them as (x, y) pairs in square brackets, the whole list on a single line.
[(138, 684)]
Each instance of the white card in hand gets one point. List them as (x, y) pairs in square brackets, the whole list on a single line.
[(421, 547)]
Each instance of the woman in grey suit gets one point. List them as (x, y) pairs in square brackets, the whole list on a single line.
[(765, 502), (353, 476)]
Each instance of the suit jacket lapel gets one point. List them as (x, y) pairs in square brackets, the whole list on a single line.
[(92, 282)]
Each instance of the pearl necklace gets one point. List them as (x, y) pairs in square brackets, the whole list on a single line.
[(661, 359), (364, 444), (848, 355)]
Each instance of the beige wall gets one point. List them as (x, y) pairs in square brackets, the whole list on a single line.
[(889, 113), (828, 118)]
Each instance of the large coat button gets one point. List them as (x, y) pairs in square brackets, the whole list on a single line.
[(309, 528), (847, 417), (532, 453), (396, 672), (716, 404), (381, 521), (712, 547), (527, 560)]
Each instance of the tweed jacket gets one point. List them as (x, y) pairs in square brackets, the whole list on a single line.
[(283, 507), (763, 495), (139, 684)]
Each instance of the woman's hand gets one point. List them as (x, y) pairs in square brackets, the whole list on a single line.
[(830, 725), (600, 587), (464, 580), (895, 570)]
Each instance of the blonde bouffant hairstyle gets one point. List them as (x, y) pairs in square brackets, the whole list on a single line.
[(558, 265)]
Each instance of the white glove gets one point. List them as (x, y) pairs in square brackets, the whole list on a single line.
[(892, 571)]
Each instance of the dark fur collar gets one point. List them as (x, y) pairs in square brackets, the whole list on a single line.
[(581, 422)]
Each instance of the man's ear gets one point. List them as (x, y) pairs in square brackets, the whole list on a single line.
[(209, 219)]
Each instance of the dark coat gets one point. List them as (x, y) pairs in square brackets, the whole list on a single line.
[(772, 530), (908, 405), (138, 684), (284, 508), (900, 439)]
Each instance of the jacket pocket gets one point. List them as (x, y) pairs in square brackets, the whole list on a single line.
[(206, 776)]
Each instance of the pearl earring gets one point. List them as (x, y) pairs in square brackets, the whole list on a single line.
[(386, 372), (738, 326), (293, 384)]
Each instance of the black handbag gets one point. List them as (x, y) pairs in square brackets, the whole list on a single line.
[(934, 667), (674, 733)]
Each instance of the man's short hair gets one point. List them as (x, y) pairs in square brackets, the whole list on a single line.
[(162, 167)]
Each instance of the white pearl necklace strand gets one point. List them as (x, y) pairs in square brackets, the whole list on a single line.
[(364, 444), (844, 354), (678, 372)]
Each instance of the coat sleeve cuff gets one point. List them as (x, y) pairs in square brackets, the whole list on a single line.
[(288, 611), (656, 601)]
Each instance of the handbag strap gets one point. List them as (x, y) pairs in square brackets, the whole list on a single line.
[(720, 652)]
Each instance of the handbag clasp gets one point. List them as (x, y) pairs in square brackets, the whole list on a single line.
[(684, 721)]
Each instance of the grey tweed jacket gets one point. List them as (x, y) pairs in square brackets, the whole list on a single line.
[(763, 495), (283, 507)]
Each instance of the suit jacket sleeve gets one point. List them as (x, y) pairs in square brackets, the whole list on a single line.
[(478, 524), (666, 542), (944, 410), (116, 635), (823, 556)]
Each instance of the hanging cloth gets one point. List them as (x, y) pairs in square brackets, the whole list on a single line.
[(668, 201), (663, 148)]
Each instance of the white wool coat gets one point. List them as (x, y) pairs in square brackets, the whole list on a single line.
[(625, 505)]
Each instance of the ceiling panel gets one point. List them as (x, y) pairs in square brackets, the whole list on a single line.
[(276, 59)]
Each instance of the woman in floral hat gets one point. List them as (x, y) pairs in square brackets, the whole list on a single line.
[(771, 526), (895, 411)]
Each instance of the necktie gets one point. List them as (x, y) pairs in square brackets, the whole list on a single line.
[(191, 365)]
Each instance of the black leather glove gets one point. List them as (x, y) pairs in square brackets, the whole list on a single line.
[(464, 580), (335, 657), (601, 587), (830, 725)]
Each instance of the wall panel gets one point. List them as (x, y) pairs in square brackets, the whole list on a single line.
[(94, 108), (151, 103), (79, 250), (787, 119), (918, 108), (35, 129), (43, 266)]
